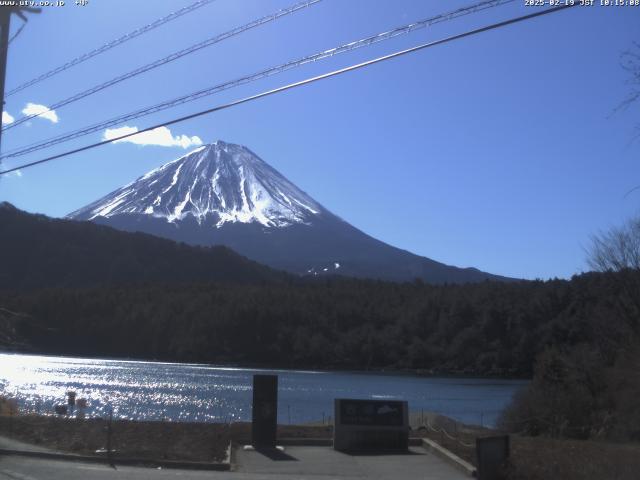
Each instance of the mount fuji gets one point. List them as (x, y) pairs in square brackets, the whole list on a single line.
[(224, 194)]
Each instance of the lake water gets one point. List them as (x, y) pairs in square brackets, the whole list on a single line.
[(194, 392)]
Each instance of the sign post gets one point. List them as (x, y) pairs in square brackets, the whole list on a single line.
[(493, 453)]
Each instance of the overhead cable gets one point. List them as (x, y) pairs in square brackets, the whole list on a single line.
[(297, 84), (373, 39), (109, 45), (170, 58)]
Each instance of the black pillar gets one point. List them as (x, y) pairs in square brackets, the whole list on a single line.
[(264, 411)]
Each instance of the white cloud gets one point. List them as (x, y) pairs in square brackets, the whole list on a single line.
[(41, 110), (7, 118), (160, 136), (15, 173)]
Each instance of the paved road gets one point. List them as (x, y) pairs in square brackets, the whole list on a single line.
[(317, 463), (11, 444), (24, 468), (299, 463)]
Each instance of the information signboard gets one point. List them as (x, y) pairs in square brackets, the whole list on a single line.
[(371, 425)]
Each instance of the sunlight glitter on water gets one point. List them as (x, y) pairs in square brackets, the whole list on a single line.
[(130, 388), (143, 390)]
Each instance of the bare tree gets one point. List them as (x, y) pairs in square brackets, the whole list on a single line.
[(618, 250), (630, 61)]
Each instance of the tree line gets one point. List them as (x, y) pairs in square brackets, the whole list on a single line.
[(488, 328)]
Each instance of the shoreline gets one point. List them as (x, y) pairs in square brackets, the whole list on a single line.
[(383, 371)]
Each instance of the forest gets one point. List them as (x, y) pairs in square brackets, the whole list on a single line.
[(476, 329)]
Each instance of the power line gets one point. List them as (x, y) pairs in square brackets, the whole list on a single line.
[(113, 43), (259, 75), (299, 84), (405, 29), (170, 58), (18, 32)]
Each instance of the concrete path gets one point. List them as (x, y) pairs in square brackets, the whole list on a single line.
[(324, 462)]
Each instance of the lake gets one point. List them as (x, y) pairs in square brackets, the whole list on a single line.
[(140, 390)]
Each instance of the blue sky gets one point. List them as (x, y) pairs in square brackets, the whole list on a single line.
[(500, 151)]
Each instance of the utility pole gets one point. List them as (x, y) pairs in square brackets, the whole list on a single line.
[(5, 23)]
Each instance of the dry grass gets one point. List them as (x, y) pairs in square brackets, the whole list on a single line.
[(206, 442), (540, 458), (8, 406), (544, 458)]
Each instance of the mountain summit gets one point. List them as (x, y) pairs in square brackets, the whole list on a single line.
[(215, 184), (224, 194)]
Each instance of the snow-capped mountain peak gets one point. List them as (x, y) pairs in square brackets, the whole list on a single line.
[(217, 183)]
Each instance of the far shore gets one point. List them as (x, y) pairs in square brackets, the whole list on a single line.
[(415, 372)]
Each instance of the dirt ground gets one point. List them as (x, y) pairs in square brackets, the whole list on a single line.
[(534, 458), (206, 442)]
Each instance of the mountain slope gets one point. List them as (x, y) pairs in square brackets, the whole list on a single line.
[(224, 194), (37, 251)]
